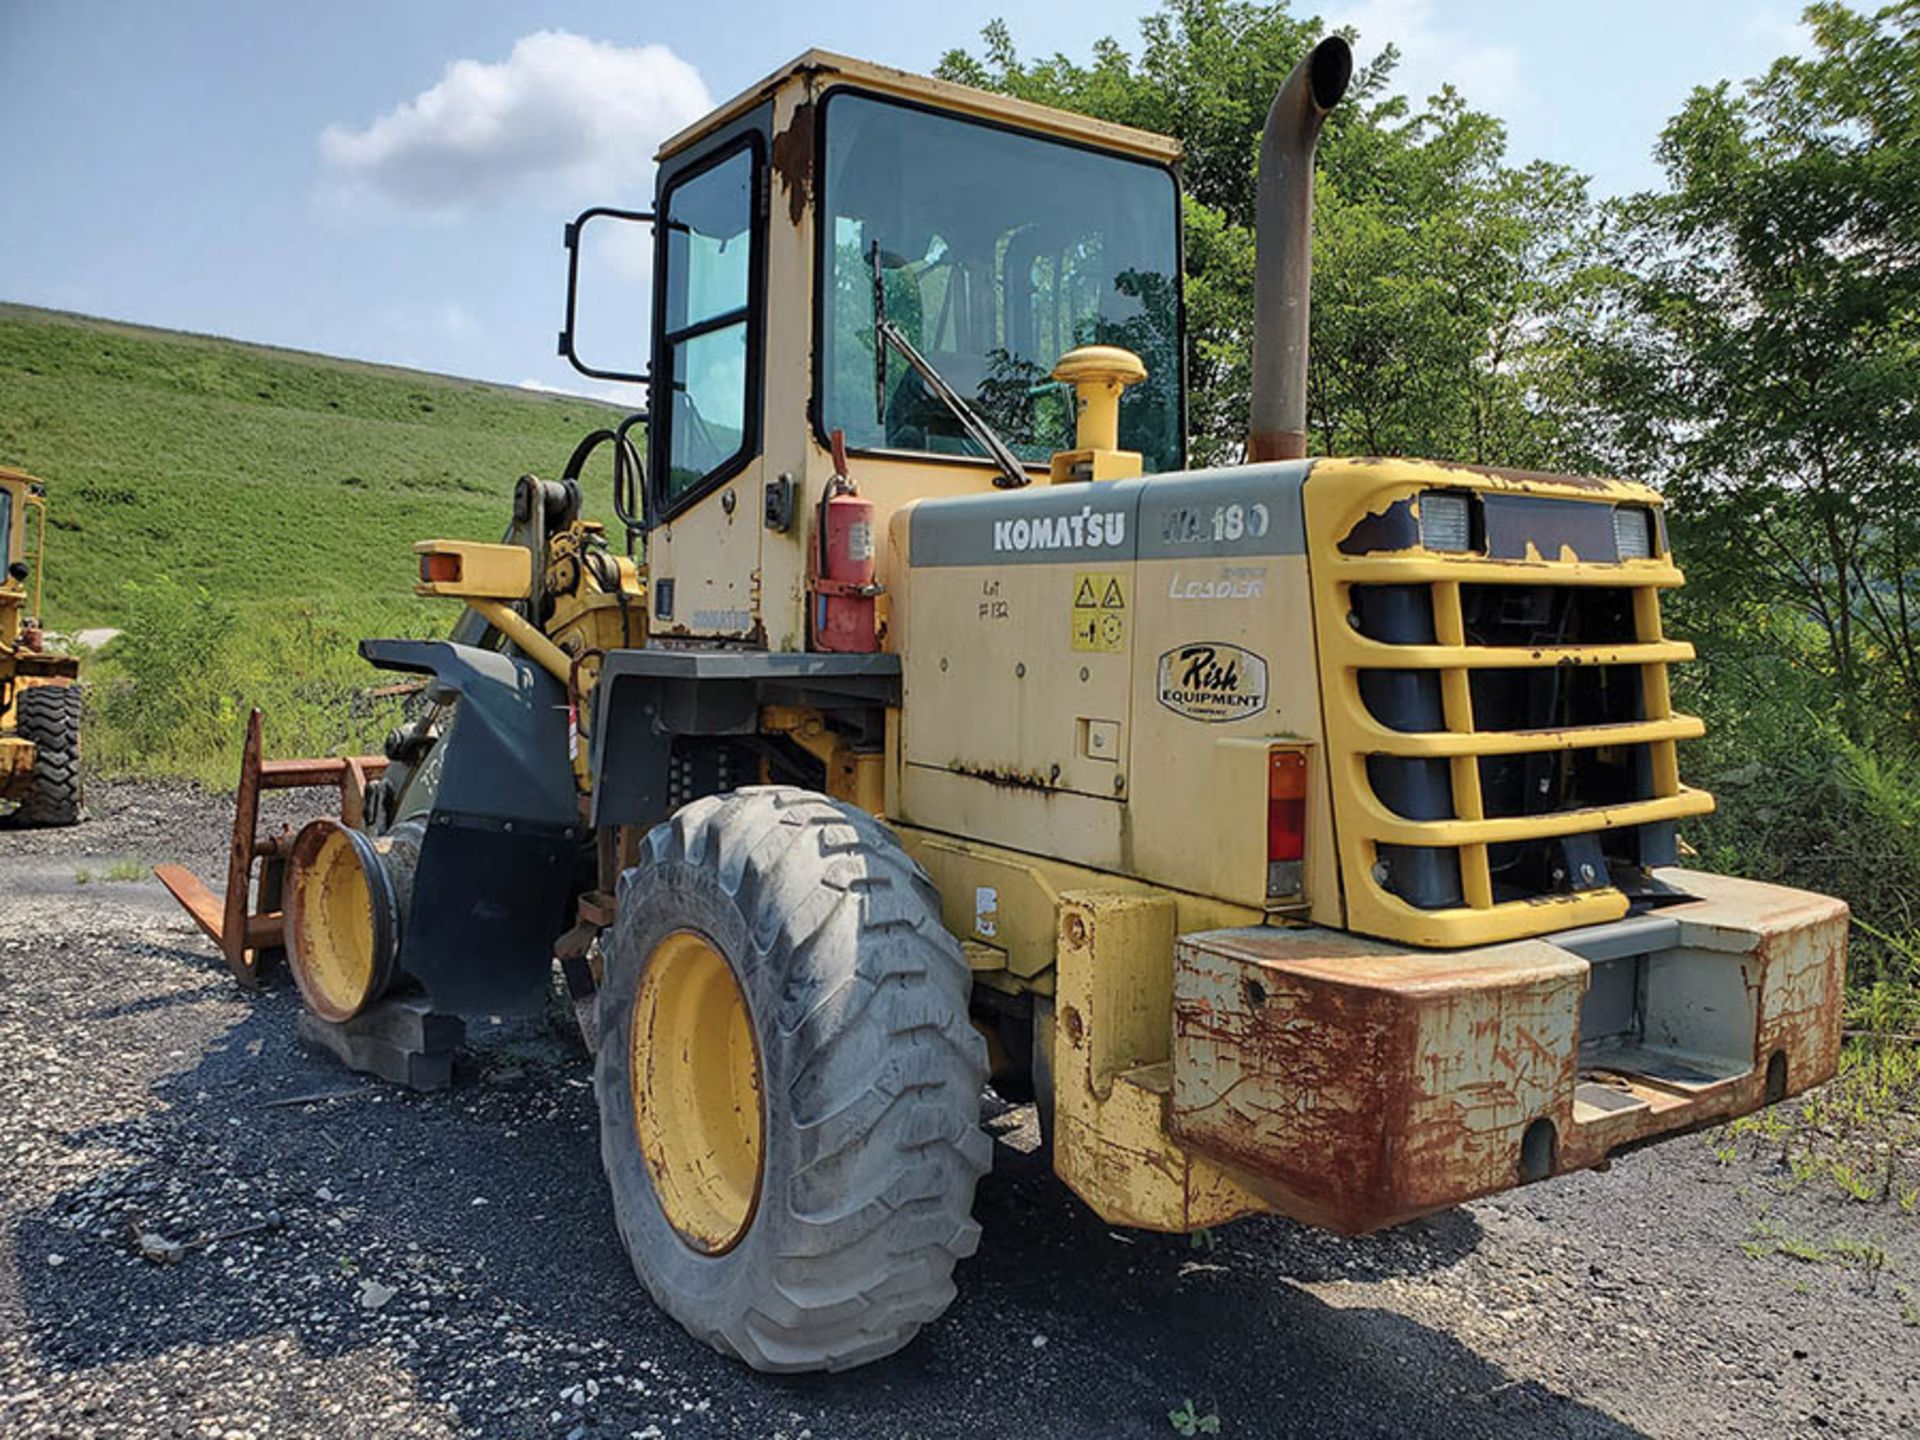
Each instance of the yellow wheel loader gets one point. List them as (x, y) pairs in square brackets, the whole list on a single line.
[(40, 780), (1300, 834)]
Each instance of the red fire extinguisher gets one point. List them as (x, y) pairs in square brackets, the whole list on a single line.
[(844, 587)]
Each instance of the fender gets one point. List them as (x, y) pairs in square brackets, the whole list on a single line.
[(496, 866)]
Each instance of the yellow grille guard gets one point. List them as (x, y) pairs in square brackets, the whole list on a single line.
[(1342, 495)]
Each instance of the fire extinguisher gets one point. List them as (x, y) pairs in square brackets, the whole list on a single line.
[(844, 587)]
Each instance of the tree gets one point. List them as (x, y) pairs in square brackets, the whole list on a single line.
[(1440, 272), (1766, 349)]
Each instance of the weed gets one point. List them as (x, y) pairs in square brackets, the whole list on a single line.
[(124, 871), (1859, 1135), (1802, 1250), (82, 876), (1203, 1240), (1189, 1421), (1859, 1255)]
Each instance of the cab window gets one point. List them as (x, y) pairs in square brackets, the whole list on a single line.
[(705, 348), (997, 252)]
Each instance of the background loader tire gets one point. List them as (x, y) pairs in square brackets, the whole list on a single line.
[(49, 716), (870, 1074)]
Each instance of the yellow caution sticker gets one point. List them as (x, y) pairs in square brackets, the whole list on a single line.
[(1099, 611)]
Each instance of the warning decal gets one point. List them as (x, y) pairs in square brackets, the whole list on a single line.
[(1099, 611)]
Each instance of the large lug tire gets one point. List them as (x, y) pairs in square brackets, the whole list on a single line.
[(841, 1007), (49, 716)]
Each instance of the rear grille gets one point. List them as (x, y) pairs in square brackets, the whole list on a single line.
[(1502, 733)]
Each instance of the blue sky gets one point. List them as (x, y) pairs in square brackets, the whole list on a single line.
[(388, 180)]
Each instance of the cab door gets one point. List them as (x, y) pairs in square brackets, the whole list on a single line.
[(705, 437)]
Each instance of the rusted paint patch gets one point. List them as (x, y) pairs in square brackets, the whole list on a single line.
[(1359, 1089), (1395, 528), (793, 159), (1013, 779), (1521, 479), (1356, 1085)]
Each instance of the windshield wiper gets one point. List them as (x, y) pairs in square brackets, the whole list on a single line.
[(1012, 474)]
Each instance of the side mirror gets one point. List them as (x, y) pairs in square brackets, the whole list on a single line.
[(607, 223)]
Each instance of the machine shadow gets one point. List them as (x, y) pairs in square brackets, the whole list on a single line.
[(486, 1203)]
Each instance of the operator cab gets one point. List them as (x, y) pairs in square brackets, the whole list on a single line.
[(994, 235), (998, 252)]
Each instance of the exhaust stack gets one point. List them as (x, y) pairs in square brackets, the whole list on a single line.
[(1283, 249)]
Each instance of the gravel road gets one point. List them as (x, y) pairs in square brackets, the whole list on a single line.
[(447, 1265)]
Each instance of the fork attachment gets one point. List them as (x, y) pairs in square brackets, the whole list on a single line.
[(247, 922)]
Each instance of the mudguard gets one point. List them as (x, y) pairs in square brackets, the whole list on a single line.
[(491, 891)]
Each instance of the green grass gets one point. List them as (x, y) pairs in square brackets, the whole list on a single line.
[(1858, 1137), (249, 513)]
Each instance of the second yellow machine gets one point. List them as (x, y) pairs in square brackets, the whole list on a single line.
[(1301, 834), (40, 699)]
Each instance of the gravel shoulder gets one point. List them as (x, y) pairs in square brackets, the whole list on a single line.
[(448, 1265)]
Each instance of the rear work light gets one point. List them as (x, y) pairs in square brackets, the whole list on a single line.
[(1633, 532), (1286, 822), (1446, 520)]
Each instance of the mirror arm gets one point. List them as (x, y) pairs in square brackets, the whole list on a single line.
[(571, 239)]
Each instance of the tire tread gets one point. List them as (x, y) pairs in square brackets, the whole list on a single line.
[(49, 716), (877, 1209)]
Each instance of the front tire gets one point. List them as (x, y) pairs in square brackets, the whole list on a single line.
[(778, 951), (49, 716)]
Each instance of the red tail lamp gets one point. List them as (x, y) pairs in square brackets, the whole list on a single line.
[(1286, 821)]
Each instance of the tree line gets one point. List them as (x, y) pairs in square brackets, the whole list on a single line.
[(1746, 337)]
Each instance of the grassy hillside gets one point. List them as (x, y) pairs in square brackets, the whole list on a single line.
[(266, 475), (246, 514)]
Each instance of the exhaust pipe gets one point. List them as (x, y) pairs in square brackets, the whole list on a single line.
[(1283, 249)]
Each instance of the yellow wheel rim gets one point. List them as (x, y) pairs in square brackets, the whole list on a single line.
[(695, 1077), (333, 941)]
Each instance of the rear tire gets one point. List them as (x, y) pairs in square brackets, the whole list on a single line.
[(867, 1069), (49, 716)]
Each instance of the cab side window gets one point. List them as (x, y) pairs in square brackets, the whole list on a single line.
[(705, 350)]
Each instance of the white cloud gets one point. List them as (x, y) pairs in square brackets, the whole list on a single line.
[(620, 248), (1489, 74), (562, 115)]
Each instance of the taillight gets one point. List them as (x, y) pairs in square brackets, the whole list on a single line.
[(1286, 822), (440, 568)]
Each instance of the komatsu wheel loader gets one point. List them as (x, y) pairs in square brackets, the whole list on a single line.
[(40, 701), (1301, 834)]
